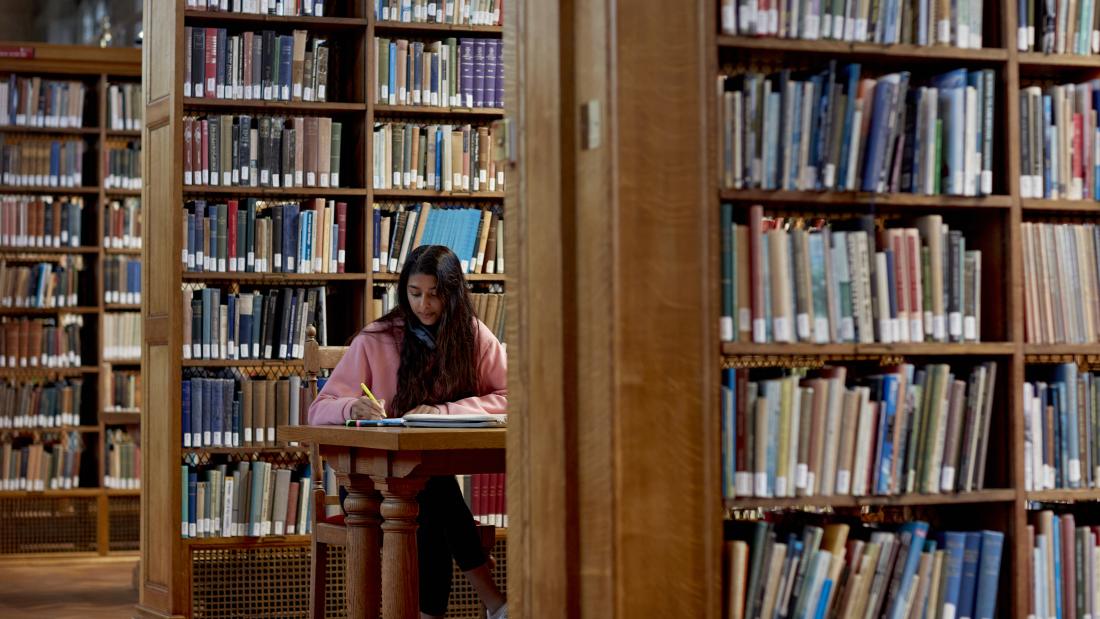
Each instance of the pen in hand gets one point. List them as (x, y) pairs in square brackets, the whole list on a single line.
[(370, 395)]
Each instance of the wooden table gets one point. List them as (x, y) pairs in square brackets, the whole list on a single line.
[(385, 468)]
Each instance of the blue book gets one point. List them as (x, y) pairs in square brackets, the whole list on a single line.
[(250, 234), (471, 234), (192, 507), (889, 408), (727, 320), (790, 182), (393, 73), (823, 599), (852, 90), (823, 125), (207, 321), (729, 432), (257, 323), (952, 104), (1049, 142), (954, 544), (286, 47), (185, 504), (231, 328), (217, 412), (912, 535), (1057, 541), (235, 422), (892, 291), (206, 389), (1057, 396), (989, 570), (55, 159), (185, 412), (969, 587), (196, 412), (376, 257), (1066, 375), (416, 57), (771, 140), (878, 137)]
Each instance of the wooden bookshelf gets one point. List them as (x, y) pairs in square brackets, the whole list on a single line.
[(168, 585), (98, 69), (1007, 507)]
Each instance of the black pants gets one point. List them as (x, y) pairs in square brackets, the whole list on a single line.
[(447, 529)]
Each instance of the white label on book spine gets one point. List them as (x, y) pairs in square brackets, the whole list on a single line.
[(916, 330), (759, 331), (947, 479), (886, 331), (939, 328), (948, 611), (970, 328), (773, 21), (743, 481), (725, 328), (207, 437), (955, 324), (781, 329), (761, 483), (847, 329), (813, 27), (943, 35), (861, 29), (321, 92), (1048, 474), (747, 18), (843, 482), (780, 486), (801, 475), (1074, 470), (802, 322), (821, 330)]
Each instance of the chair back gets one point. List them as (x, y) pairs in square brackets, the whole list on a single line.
[(317, 358)]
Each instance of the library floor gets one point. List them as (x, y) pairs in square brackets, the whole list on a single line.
[(92, 588)]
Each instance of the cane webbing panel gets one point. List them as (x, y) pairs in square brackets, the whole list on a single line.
[(267, 581), (46, 525), (125, 522), (464, 603)]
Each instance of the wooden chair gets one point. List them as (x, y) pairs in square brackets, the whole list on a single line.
[(331, 531)]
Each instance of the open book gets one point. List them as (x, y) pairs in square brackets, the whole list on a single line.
[(415, 420)]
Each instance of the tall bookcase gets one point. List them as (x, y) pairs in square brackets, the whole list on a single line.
[(91, 518), (214, 577), (994, 221)]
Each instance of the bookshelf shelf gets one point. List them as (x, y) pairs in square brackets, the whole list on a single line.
[(119, 492), (470, 277), (122, 361), (194, 103), (273, 192), (1057, 61), (1061, 206), (50, 130), (122, 252), (123, 193), (1067, 494), (244, 450), (850, 199), (427, 110), (885, 53), (437, 195), (221, 18), (39, 251), (122, 306), (60, 191), (409, 27), (733, 349), (124, 133), (47, 311), (242, 541), (982, 496), (81, 429), (40, 371), (242, 363), (117, 418), (1061, 349), (274, 278), (51, 494)]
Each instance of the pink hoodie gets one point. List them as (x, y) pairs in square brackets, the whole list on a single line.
[(373, 358)]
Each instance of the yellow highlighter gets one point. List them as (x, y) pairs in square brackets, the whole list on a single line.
[(370, 395)]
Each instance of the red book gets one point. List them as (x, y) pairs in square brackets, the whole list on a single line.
[(187, 147), (210, 88), (1069, 564), (341, 234), (231, 230), (1076, 157), (246, 64)]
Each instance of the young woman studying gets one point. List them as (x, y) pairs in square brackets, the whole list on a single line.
[(429, 355)]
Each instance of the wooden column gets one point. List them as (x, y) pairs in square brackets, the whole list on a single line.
[(363, 519), (400, 577)]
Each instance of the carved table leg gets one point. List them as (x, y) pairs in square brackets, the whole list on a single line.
[(400, 576), (364, 538)]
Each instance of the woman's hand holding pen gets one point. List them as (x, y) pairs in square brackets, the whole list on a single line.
[(367, 408)]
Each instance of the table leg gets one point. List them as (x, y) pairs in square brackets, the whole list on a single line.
[(400, 576), (363, 575)]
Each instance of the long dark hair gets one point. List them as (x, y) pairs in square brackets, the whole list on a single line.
[(444, 370)]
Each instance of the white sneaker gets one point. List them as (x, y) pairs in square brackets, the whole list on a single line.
[(502, 612)]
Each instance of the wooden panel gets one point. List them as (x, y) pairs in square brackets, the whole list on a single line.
[(159, 70), (160, 213), (157, 531), (660, 312), (538, 476)]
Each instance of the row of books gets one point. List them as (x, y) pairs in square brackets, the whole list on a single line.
[(1063, 567), (1058, 27), (40, 404), (263, 324), (832, 130), (903, 430), (466, 73), (34, 101), (123, 392), (121, 335), (930, 22), (251, 499), (787, 280), (457, 12), (257, 236), (52, 463), (261, 151), (473, 234), (122, 224), (125, 107), (1058, 138), (41, 342), (122, 466), (1061, 282), (40, 221), (264, 66), (1062, 430), (122, 279), (123, 165), (436, 157), (486, 496), (489, 307), (832, 571), (227, 408), (285, 8), (45, 162), (44, 284)]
